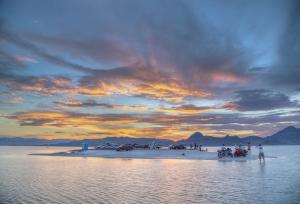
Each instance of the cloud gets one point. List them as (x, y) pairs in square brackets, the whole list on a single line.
[(284, 73), (168, 90), (9, 63), (37, 50), (187, 109), (130, 81), (172, 51), (103, 124), (44, 85), (260, 99), (169, 39), (127, 80), (9, 98), (155, 125), (93, 103)]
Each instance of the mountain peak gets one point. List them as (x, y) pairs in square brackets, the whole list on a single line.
[(196, 136), (289, 129)]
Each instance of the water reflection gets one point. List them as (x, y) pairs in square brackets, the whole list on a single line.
[(262, 166), (38, 179)]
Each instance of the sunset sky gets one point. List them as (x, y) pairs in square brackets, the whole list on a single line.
[(163, 69)]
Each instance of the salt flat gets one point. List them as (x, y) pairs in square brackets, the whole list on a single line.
[(150, 154)]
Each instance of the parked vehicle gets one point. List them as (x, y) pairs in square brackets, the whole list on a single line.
[(177, 147), (137, 146), (107, 146), (125, 147), (240, 152), (225, 153)]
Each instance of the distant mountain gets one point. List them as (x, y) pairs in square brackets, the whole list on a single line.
[(21, 141), (217, 141), (119, 140), (198, 138), (287, 136)]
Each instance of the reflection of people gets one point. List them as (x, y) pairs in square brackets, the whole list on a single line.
[(261, 154), (249, 146)]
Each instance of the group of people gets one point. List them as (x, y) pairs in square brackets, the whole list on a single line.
[(197, 147), (227, 152), (240, 151)]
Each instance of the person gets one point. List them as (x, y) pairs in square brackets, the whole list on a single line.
[(223, 147), (200, 148), (261, 154), (237, 151), (249, 146)]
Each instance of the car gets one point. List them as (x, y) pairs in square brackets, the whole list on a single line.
[(125, 147), (107, 146), (137, 146), (180, 146)]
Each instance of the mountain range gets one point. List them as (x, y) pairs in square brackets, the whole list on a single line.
[(287, 136)]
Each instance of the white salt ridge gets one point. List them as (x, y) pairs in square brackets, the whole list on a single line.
[(155, 154)]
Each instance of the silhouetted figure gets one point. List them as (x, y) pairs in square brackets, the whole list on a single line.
[(223, 147), (249, 146), (261, 154)]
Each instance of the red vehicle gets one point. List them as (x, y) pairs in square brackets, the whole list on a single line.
[(239, 152)]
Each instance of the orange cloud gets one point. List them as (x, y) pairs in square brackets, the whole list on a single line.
[(172, 92), (92, 103), (123, 81), (153, 125), (231, 106), (227, 77), (187, 109)]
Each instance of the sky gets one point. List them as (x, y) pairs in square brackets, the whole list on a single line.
[(160, 69)]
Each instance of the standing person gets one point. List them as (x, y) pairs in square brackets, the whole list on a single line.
[(261, 154), (223, 147), (200, 147), (249, 146)]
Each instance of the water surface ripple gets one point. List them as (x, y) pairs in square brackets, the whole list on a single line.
[(46, 179)]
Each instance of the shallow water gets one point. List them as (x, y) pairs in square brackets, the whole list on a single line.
[(47, 179)]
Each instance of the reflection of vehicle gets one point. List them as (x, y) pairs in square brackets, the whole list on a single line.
[(125, 147), (177, 147)]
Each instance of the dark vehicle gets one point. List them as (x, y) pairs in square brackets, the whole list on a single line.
[(225, 153), (177, 147), (107, 146), (125, 147), (136, 146)]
